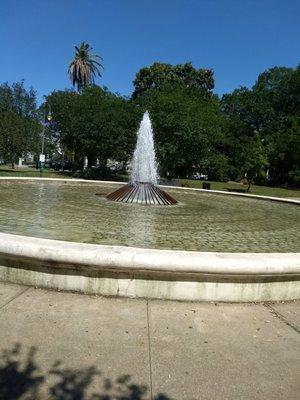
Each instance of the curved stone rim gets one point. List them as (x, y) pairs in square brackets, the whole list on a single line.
[(123, 258)]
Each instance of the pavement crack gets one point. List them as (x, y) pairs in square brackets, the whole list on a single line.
[(15, 297), (149, 351), (282, 318)]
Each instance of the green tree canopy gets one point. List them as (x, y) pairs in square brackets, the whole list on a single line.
[(95, 122), (189, 130), (158, 74), (270, 112), (19, 126)]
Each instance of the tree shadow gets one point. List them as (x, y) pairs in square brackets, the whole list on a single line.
[(71, 383), (17, 378), (21, 379)]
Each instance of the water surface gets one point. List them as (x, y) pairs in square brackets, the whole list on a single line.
[(202, 221)]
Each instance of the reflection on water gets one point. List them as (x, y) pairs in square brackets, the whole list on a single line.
[(202, 221), (141, 221), (43, 196)]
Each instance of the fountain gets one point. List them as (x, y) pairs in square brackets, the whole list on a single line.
[(213, 246), (142, 188)]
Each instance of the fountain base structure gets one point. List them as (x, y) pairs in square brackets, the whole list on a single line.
[(145, 193), (143, 188)]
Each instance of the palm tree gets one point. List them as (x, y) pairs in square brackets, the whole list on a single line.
[(84, 67)]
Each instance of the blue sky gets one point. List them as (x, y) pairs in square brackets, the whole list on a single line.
[(237, 39)]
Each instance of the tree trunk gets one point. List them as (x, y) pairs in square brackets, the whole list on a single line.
[(249, 184), (91, 161), (13, 162), (74, 155), (74, 161)]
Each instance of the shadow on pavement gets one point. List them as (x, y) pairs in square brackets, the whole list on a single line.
[(21, 378)]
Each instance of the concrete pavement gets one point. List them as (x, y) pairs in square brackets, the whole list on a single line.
[(67, 346)]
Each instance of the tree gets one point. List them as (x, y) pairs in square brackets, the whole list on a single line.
[(249, 119), (96, 123), (269, 110), (189, 130), (158, 74), (84, 67), (249, 158), (280, 88), (19, 126), (283, 154), (66, 109), (19, 100), (275, 87)]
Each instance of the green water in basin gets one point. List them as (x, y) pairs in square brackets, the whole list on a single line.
[(201, 221)]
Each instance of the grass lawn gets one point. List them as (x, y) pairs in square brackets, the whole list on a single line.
[(254, 189), (5, 170)]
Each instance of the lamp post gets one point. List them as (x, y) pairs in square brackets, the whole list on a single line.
[(47, 119)]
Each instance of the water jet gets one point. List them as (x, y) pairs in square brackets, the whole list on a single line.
[(142, 188)]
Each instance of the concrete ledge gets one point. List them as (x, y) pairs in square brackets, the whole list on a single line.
[(135, 272)]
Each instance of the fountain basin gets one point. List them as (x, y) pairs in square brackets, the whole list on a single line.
[(151, 273)]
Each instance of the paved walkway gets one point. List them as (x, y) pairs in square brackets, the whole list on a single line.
[(65, 346)]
